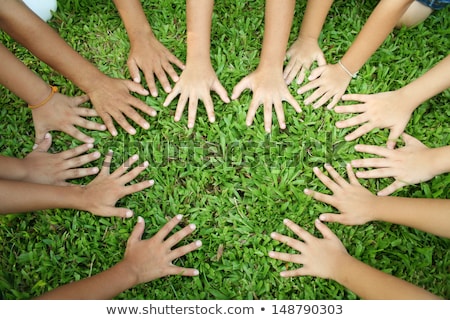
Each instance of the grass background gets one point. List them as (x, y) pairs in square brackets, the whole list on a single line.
[(235, 183)]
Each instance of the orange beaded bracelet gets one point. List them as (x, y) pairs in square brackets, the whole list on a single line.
[(54, 90)]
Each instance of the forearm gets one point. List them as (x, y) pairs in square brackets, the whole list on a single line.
[(315, 15), (12, 168), (105, 285), (380, 23), (277, 26), (134, 19), (199, 18), (433, 82), (429, 215), (372, 284), (28, 29), (17, 197), (20, 80)]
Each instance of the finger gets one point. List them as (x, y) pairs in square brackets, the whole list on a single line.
[(137, 187), (176, 62), (321, 99), (321, 61), (267, 116), (207, 101), (394, 134), (280, 114), (287, 257), (375, 173), (295, 273), (90, 125), (371, 163), (293, 102), (168, 227), (182, 251), (410, 140), (324, 230), (309, 86), (77, 134), (180, 106), (132, 174), (330, 184), (151, 84), (320, 196), (331, 217), (136, 117), (136, 87), (44, 143), (301, 76), (134, 71), (125, 166), (356, 97), (353, 108), (78, 100), (293, 243), (334, 101), (106, 166), (172, 74), (359, 132), (107, 120), (192, 111), (239, 88), (291, 71), (391, 188), (186, 272), (299, 231), (221, 91), (336, 177), (316, 73), (319, 92), (353, 121), (379, 151), (174, 239), (80, 173), (138, 231), (351, 175), (175, 92), (76, 158), (251, 112)]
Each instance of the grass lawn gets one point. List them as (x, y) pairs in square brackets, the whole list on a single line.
[(236, 183)]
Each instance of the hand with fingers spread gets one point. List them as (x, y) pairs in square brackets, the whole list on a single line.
[(382, 110), (112, 101), (267, 82), (102, 193), (318, 257), (42, 167), (269, 91), (63, 113), (198, 78), (145, 260), (411, 164), (196, 83), (146, 53), (327, 258), (329, 82), (302, 54), (353, 201)]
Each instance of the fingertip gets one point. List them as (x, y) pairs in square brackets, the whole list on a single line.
[(179, 217), (129, 214), (140, 220), (198, 243), (196, 272)]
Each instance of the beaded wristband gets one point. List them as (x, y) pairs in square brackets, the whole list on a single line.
[(353, 75), (54, 90)]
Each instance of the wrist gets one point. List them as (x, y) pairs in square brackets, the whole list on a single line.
[(45, 100), (439, 163), (351, 74)]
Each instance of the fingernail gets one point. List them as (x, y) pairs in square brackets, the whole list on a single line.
[(196, 272), (94, 170), (179, 217), (151, 182), (129, 214), (140, 219), (35, 146), (198, 243), (47, 136), (146, 125), (132, 131), (89, 145), (137, 80), (285, 221), (145, 164), (272, 235), (135, 157), (192, 226)]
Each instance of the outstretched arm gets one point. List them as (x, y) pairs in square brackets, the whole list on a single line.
[(267, 81), (393, 109), (110, 97), (327, 258), (198, 79), (144, 261), (358, 206), (305, 50), (147, 53)]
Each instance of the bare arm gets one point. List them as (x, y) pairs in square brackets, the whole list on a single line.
[(110, 97), (327, 258), (358, 206), (146, 53), (144, 261)]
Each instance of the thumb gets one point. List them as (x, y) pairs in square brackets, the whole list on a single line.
[(81, 99), (410, 140), (316, 73), (324, 230), (44, 143), (394, 134), (134, 71), (138, 231)]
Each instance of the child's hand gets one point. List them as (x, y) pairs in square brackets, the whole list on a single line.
[(153, 258), (63, 113), (410, 164), (150, 56), (46, 168), (381, 110), (270, 90), (318, 257), (329, 82), (111, 99), (196, 83), (351, 199), (301, 55), (106, 189)]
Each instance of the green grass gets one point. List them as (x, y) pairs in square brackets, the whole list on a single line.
[(235, 183)]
